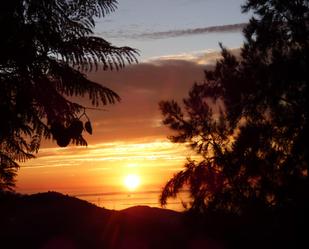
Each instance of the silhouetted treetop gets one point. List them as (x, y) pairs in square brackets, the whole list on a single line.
[(249, 119), (46, 48), (59, 30)]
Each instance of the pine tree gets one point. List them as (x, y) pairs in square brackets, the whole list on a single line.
[(46, 47), (249, 120)]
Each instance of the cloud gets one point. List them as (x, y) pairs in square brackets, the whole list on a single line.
[(141, 87), (135, 32), (135, 151), (185, 32), (205, 58)]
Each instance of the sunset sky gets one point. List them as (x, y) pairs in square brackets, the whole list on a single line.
[(177, 40)]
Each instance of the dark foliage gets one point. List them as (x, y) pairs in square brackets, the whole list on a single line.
[(45, 49), (249, 120)]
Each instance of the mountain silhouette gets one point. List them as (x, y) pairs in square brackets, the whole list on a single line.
[(55, 221)]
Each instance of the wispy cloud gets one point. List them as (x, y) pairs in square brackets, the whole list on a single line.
[(137, 33), (207, 57), (110, 152), (195, 31)]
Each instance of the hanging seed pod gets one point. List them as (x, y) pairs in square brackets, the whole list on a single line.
[(76, 128), (57, 130), (64, 140), (88, 127)]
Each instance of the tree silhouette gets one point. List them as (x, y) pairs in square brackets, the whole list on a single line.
[(249, 119), (46, 47)]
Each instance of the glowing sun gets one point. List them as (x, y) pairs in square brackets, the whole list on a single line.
[(132, 181)]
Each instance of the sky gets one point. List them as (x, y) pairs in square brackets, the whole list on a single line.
[(161, 28), (177, 40)]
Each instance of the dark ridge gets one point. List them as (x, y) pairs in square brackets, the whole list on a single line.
[(55, 221), (52, 220)]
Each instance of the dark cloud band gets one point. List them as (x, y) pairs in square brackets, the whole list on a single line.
[(176, 33)]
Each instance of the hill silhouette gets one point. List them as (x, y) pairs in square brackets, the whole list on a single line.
[(55, 221), (52, 220)]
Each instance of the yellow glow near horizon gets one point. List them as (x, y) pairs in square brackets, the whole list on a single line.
[(101, 166), (132, 181)]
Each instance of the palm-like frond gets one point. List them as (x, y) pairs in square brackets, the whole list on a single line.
[(86, 52), (72, 82)]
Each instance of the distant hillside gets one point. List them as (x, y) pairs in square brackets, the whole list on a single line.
[(55, 221)]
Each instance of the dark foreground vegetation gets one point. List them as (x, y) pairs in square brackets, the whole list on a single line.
[(248, 120), (52, 220)]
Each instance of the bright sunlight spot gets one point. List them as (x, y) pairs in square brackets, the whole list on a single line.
[(132, 181)]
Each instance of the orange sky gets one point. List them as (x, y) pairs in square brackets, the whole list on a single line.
[(128, 137)]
